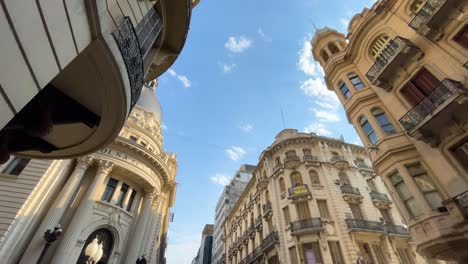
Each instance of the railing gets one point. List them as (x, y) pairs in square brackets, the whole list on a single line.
[(349, 189), (426, 13), (271, 239), (310, 158), (258, 221), (337, 158), (289, 158), (379, 196), (311, 223), (267, 208), (396, 229), (299, 190), (441, 93), (127, 41), (364, 224), (388, 54), (365, 167), (462, 202), (262, 182)]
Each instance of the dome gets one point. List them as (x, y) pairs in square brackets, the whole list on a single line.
[(149, 101)]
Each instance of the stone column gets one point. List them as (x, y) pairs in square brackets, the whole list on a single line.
[(127, 198), (66, 251), (116, 193), (57, 210), (136, 242)]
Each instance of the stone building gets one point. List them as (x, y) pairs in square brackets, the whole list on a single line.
[(82, 65), (226, 202), (401, 74), (204, 254), (119, 195), (314, 199)]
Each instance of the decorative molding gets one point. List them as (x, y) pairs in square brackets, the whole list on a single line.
[(105, 166)]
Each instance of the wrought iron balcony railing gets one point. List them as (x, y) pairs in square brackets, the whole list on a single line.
[(361, 224), (289, 158), (462, 202), (127, 41), (258, 221), (393, 48), (347, 189), (379, 196), (441, 93), (365, 167), (270, 240), (309, 224), (298, 191), (426, 13), (310, 158), (396, 229), (337, 158), (267, 208)]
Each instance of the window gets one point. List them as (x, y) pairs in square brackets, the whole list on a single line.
[(282, 185), (303, 211), (379, 45), (460, 151), (336, 253), (368, 130), (323, 208), (123, 192), (333, 48), (296, 178), (143, 143), (405, 195), (344, 89), (293, 255), (356, 210), (344, 178), (324, 55), (419, 87), (312, 253), (109, 191), (277, 161), (386, 216), (462, 37), (425, 185), (287, 215), (133, 138), (16, 166), (372, 186), (131, 200), (291, 153), (306, 152), (405, 255), (314, 178), (383, 121), (356, 81)]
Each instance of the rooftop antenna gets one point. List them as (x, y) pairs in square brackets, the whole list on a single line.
[(316, 29), (282, 117)]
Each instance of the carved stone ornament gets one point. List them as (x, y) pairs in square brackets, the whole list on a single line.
[(84, 162), (105, 166), (146, 120)]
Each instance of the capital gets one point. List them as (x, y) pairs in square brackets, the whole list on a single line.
[(84, 162), (149, 193), (105, 166)]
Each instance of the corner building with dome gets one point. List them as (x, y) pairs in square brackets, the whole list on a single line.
[(112, 205)]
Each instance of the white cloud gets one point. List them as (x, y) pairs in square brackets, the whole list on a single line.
[(182, 248), (227, 68), (235, 153), (306, 61), (326, 116), (318, 128), (238, 45), (315, 87), (246, 127), (182, 78), (220, 179), (357, 141), (344, 22), (164, 127), (263, 35)]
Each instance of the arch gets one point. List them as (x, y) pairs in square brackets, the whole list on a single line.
[(296, 178), (382, 119), (368, 129), (106, 239), (314, 178), (379, 45), (333, 48), (324, 55), (355, 81), (344, 89), (282, 185)]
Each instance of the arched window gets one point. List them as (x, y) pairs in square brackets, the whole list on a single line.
[(103, 238), (356, 81), (368, 130), (314, 178), (344, 89), (383, 121), (333, 48), (324, 55), (282, 185), (344, 178), (296, 178), (379, 45)]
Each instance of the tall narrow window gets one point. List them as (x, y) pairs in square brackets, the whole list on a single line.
[(287, 215), (123, 192), (131, 200), (282, 185), (344, 89), (356, 81), (405, 195), (379, 253), (336, 253), (368, 130), (293, 255), (323, 208), (303, 211), (372, 186), (419, 87), (324, 55), (462, 37), (386, 216), (405, 255), (16, 166), (109, 191), (314, 178), (344, 178), (383, 121), (296, 178), (356, 210), (312, 253), (425, 185)]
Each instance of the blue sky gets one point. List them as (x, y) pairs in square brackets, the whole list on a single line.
[(243, 62)]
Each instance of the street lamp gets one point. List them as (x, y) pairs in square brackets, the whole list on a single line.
[(50, 237), (141, 260), (94, 251)]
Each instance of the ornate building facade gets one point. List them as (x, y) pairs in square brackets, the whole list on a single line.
[(314, 199), (401, 74), (119, 195)]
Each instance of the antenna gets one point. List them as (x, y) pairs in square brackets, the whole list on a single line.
[(316, 29), (282, 117)]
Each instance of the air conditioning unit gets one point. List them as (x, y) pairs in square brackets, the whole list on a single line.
[(337, 182)]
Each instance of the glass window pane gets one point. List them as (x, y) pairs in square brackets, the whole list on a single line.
[(434, 199), (413, 208), (373, 137), (403, 191), (424, 183)]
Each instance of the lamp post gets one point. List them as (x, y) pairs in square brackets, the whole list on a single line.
[(50, 237), (141, 260), (94, 251)]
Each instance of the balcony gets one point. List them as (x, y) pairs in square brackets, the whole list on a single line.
[(380, 200), (258, 223), (461, 201), (262, 183), (433, 16), (270, 241), (365, 168), (361, 225), (350, 194), (292, 161), (306, 226), (277, 167), (251, 231), (267, 210), (426, 121), (299, 192), (310, 159), (340, 162), (398, 53), (396, 230)]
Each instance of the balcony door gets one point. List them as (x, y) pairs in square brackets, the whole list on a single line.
[(386, 216), (344, 178), (303, 211), (419, 87), (366, 253), (356, 210)]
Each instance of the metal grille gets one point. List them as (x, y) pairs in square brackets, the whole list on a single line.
[(148, 30), (426, 13), (364, 224)]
